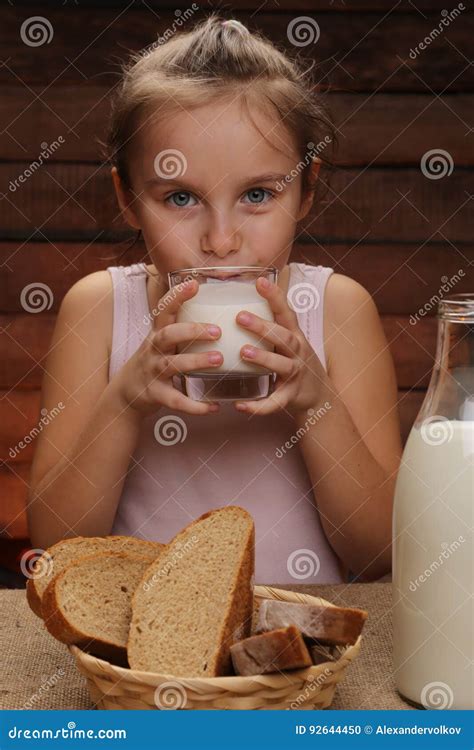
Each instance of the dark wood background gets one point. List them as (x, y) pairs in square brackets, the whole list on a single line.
[(383, 221)]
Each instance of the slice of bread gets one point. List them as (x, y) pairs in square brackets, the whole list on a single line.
[(336, 626), (195, 599), (88, 603), (271, 652), (55, 558)]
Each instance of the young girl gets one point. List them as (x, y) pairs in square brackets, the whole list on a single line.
[(209, 150)]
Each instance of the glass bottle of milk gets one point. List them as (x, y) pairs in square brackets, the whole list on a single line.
[(223, 292), (433, 571)]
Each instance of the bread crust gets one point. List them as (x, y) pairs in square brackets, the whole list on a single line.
[(58, 625), (33, 596), (242, 611), (270, 652), (242, 602), (332, 626)]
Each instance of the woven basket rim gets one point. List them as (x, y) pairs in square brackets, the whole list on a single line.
[(89, 661)]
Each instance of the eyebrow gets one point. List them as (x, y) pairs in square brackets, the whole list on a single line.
[(267, 177)]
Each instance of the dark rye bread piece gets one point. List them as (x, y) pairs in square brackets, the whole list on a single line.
[(271, 652), (55, 558), (328, 625), (319, 652), (88, 603), (196, 599)]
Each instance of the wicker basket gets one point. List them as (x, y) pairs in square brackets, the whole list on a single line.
[(113, 687)]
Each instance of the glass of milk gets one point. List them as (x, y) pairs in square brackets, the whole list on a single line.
[(224, 292), (433, 570)]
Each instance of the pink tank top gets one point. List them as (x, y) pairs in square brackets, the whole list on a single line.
[(185, 465)]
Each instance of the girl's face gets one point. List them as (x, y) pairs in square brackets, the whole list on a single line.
[(204, 190)]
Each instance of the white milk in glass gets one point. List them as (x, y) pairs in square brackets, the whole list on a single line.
[(433, 566), (220, 303)]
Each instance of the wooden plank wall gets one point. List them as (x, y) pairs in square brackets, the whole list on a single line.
[(383, 222)]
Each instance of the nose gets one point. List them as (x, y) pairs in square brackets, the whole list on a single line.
[(220, 237)]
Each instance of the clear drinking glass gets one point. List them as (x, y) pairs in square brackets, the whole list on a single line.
[(223, 292), (433, 604)]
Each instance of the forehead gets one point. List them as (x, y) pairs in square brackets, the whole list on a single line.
[(221, 139)]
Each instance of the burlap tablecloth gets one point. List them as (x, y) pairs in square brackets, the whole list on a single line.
[(36, 671)]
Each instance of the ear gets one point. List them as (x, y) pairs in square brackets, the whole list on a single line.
[(308, 195), (125, 200)]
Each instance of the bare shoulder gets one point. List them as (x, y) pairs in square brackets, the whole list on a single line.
[(350, 314), (361, 367), (343, 294), (76, 367), (89, 304)]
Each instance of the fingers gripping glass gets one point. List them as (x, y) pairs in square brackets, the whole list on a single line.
[(222, 293)]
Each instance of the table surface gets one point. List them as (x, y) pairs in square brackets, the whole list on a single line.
[(36, 671)]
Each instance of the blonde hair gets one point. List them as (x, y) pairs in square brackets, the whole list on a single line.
[(215, 60)]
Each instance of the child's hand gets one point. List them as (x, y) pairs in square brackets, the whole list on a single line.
[(300, 374), (145, 381)]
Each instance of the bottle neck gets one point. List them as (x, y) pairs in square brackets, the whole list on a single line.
[(450, 393), (454, 346)]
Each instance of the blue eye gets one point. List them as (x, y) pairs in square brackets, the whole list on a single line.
[(181, 199), (256, 192)]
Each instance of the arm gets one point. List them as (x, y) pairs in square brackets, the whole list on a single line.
[(353, 450), (82, 455)]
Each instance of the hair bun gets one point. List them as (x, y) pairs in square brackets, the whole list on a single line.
[(234, 24)]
